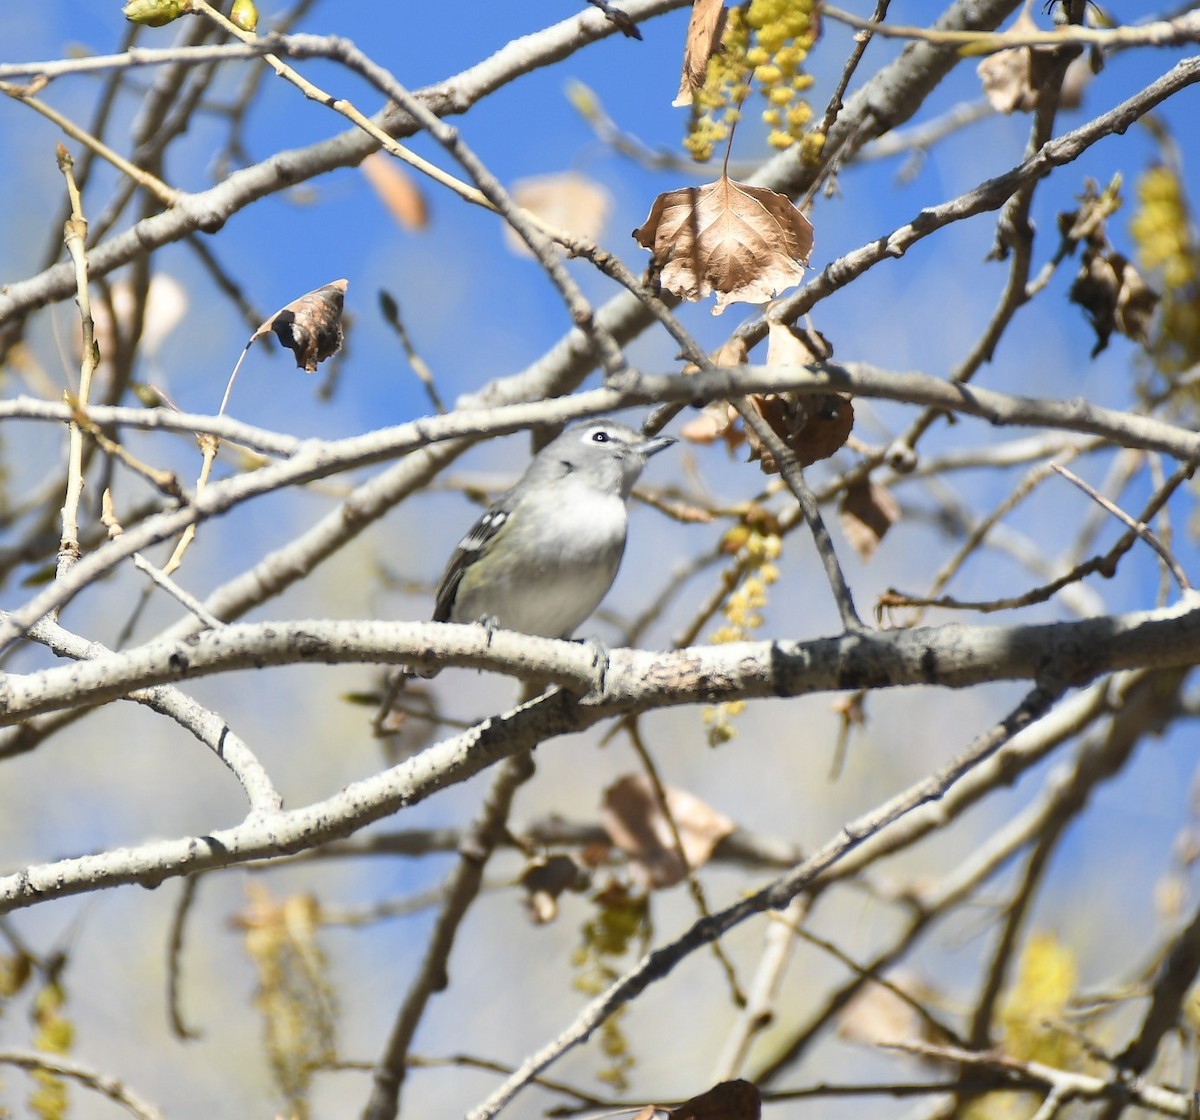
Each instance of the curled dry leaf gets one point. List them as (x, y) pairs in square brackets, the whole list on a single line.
[(566, 200), (715, 421), (1012, 79), (703, 35), (728, 1100), (1108, 287), (813, 426), (795, 346), (1087, 221), (547, 877), (745, 243), (311, 326), (397, 190), (635, 823), (866, 513), (1114, 295)]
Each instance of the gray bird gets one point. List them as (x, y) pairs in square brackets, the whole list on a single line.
[(543, 556)]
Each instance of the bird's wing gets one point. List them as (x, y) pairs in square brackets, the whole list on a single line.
[(468, 550)]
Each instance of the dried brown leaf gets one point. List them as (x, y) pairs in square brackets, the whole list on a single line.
[(703, 35), (732, 352), (866, 513), (1012, 79), (791, 346), (812, 425), (311, 326), (547, 877), (635, 823), (595, 854), (1136, 302), (1114, 295), (566, 200), (729, 1100), (745, 243), (397, 190), (717, 420), (1087, 222)]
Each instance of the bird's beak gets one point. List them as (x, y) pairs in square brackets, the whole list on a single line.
[(653, 446)]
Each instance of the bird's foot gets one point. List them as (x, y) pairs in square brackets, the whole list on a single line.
[(599, 652), (490, 624)]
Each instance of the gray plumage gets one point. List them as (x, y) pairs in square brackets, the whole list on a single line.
[(543, 556)]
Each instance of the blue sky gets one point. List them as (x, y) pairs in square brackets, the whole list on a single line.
[(476, 311)]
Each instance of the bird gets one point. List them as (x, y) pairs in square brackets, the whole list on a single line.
[(541, 558), (544, 554)]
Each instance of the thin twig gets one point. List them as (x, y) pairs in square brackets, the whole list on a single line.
[(185, 598), (391, 315), (108, 519), (75, 235), (35, 1061), (633, 729), (790, 471), (835, 104), (459, 891), (1139, 527), (205, 724), (179, 917), (1105, 564), (168, 196), (137, 56), (660, 962), (470, 1061), (755, 1017), (1117, 1093), (1163, 33)]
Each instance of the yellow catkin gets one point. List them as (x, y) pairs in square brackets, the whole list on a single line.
[(765, 44), (1163, 232), (757, 552)]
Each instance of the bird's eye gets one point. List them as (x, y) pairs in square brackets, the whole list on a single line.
[(601, 436)]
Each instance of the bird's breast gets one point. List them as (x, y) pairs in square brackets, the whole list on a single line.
[(560, 578)]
